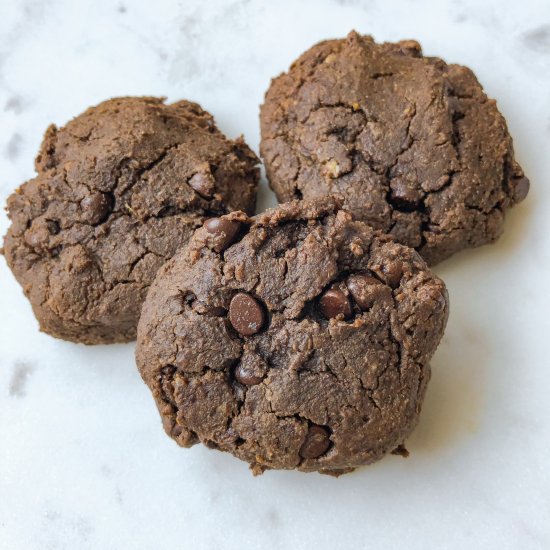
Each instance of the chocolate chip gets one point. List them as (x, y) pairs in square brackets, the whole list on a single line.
[(317, 442), (246, 376), (224, 232), (53, 227), (246, 314), (403, 196), (97, 207), (391, 273), (366, 290), (252, 369), (203, 183), (520, 189), (334, 303)]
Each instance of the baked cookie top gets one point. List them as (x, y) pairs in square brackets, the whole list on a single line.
[(414, 144), (296, 339), (118, 190)]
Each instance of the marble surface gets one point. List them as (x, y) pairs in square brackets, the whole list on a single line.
[(84, 462)]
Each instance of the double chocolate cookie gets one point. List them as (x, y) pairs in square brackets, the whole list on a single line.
[(414, 144), (119, 189), (296, 339)]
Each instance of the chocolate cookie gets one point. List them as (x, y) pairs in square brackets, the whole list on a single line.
[(414, 144), (297, 339), (119, 189)]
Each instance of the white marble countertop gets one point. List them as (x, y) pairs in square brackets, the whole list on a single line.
[(84, 462)]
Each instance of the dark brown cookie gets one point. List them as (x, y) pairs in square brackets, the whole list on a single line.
[(302, 345), (119, 189), (414, 144)]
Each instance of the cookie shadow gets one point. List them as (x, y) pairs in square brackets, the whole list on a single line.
[(455, 402)]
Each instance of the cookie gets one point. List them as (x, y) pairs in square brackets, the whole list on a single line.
[(119, 189), (415, 146), (297, 339)]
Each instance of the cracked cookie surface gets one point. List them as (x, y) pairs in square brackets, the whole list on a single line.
[(119, 189), (296, 339), (414, 144)]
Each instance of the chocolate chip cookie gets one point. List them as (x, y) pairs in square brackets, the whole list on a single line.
[(415, 146), (296, 339), (119, 189)]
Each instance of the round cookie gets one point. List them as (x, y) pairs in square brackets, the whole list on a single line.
[(297, 339), (119, 189), (414, 144)]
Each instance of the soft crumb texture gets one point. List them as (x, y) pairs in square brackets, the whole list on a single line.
[(302, 345), (119, 189), (414, 144)]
